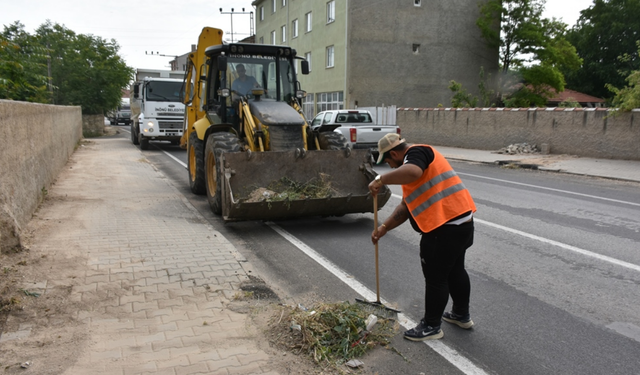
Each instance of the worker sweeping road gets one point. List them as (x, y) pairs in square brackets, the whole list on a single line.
[(441, 209)]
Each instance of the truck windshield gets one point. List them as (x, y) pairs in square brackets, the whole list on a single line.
[(277, 78), (163, 91)]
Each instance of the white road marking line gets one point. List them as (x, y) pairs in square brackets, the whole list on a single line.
[(173, 157), (552, 189), (555, 243), (563, 245), (447, 352), (166, 153)]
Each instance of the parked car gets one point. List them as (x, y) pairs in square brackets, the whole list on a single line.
[(356, 126)]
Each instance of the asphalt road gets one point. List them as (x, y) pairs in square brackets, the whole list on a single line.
[(555, 270)]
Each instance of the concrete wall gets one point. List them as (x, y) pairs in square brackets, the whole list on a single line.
[(37, 141), (589, 132)]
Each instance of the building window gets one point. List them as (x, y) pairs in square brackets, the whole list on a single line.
[(307, 56), (273, 37), (329, 100), (331, 11), (308, 104), (261, 13), (283, 29), (284, 3), (330, 57), (308, 22), (273, 6), (416, 48), (294, 28), (417, 2), (261, 40)]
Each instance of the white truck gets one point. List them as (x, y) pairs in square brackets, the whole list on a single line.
[(356, 126), (157, 113)]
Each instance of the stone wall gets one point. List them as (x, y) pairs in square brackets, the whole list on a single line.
[(92, 126), (586, 132), (37, 141)]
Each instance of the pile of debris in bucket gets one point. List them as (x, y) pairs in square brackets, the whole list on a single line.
[(519, 148), (288, 189)]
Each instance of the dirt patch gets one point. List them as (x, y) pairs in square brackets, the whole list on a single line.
[(38, 322)]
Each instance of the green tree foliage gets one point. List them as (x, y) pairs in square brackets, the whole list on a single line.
[(532, 50), (85, 70), (22, 66), (461, 98), (604, 31), (628, 97)]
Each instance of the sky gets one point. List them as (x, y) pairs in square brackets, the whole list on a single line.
[(168, 27)]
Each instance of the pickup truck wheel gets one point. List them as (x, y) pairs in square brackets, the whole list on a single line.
[(332, 141), (217, 144), (195, 164), (134, 135), (144, 143)]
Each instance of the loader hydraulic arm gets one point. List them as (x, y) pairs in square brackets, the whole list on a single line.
[(254, 132)]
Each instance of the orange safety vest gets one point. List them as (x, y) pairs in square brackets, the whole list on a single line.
[(438, 195)]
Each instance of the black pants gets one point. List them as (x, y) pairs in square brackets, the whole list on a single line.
[(442, 254)]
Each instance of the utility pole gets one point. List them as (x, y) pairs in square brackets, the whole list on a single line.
[(243, 12)]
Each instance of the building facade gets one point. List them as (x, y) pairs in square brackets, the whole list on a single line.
[(368, 53)]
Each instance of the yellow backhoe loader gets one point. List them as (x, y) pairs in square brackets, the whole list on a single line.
[(249, 146)]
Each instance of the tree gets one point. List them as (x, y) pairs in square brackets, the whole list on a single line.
[(604, 31), (461, 98), (628, 97), (532, 50), (85, 70), (23, 73)]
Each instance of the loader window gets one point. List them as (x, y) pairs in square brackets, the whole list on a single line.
[(277, 78)]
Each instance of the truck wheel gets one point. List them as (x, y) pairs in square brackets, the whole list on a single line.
[(332, 141), (144, 143), (134, 135), (217, 144), (195, 164)]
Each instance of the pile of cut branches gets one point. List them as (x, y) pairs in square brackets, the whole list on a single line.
[(288, 189), (330, 333)]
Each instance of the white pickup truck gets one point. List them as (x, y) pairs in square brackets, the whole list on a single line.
[(357, 127)]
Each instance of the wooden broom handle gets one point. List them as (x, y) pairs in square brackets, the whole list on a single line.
[(375, 223)]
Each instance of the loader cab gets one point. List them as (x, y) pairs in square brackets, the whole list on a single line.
[(235, 70)]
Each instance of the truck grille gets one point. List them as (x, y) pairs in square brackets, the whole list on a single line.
[(170, 125)]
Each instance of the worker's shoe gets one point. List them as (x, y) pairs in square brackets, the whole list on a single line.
[(462, 321), (424, 332)]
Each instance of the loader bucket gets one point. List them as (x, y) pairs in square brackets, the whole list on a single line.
[(250, 176)]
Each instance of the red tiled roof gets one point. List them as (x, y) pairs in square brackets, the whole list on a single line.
[(577, 96)]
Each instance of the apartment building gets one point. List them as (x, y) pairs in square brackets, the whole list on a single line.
[(366, 53)]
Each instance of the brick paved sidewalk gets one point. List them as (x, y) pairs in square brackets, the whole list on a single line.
[(157, 276)]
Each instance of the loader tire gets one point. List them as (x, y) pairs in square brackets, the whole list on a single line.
[(195, 165), (217, 144), (134, 135), (332, 141)]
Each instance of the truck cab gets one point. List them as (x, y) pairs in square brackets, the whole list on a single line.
[(157, 110)]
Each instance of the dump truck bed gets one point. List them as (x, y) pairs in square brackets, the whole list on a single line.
[(254, 182)]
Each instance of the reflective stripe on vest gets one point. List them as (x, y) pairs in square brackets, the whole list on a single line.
[(438, 195)]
